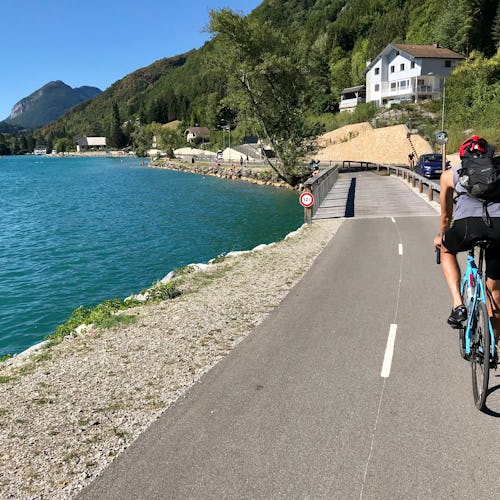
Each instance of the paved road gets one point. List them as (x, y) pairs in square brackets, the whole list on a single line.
[(301, 410), (353, 196)]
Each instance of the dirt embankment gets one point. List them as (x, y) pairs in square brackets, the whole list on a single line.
[(362, 142)]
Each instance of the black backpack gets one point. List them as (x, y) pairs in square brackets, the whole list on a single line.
[(480, 176)]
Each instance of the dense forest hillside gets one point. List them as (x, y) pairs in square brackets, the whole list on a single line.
[(330, 40)]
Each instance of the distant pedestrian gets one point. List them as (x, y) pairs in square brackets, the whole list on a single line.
[(411, 158), (241, 160)]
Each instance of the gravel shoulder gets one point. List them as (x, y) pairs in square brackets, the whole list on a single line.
[(68, 414)]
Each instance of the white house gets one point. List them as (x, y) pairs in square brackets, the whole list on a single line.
[(90, 143), (197, 134), (40, 150), (405, 72)]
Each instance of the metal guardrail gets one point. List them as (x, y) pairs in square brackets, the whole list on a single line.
[(321, 185)]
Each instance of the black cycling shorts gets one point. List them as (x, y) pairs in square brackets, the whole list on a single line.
[(464, 232)]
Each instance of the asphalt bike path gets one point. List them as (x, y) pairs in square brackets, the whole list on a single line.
[(313, 405)]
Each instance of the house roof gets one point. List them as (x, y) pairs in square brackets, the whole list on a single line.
[(250, 150), (349, 90), (173, 124), (92, 141), (422, 51), (416, 51), (198, 131)]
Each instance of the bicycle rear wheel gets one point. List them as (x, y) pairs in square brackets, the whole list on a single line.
[(480, 356)]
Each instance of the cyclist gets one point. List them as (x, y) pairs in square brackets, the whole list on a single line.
[(459, 227)]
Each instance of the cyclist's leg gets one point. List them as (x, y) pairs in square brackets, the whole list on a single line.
[(492, 258), (453, 242), (494, 305), (452, 275)]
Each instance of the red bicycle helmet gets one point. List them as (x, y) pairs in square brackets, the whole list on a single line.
[(474, 145)]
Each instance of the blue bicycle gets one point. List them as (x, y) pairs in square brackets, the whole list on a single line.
[(477, 340)]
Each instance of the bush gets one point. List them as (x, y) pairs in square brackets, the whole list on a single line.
[(163, 291)]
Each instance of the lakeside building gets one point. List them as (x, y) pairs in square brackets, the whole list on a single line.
[(406, 72), (197, 135), (40, 149), (90, 144)]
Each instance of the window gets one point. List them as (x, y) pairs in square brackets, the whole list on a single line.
[(403, 84), (412, 64), (392, 69), (393, 86), (447, 63), (377, 87), (377, 71), (402, 67)]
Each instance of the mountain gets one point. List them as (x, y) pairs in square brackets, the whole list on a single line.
[(49, 103)]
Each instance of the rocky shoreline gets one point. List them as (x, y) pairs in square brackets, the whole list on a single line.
[(67, 412), (262, 175)]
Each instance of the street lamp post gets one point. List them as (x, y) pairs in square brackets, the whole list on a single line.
[(227, 128), (443, 146)]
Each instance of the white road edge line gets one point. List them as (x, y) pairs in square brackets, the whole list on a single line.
[(400, 249), (393, 220), (389, 351)]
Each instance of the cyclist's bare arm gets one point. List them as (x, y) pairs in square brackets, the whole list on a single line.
[(446, 201)]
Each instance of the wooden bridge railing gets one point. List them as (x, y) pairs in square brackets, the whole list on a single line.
[(320, 186)]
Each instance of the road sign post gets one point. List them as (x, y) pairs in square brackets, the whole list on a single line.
[(442, 138), (306, 199)]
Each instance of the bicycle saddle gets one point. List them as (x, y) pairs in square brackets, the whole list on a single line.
[(482, 243)]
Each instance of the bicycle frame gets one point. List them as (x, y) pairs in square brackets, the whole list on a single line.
[(473, 280)]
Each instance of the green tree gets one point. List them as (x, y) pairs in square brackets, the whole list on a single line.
[(63, 145), (472, 92), (496, 29), (117, 138), (267, 77), (4, 147)]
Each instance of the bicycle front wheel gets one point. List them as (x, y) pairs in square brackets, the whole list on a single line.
[(480, 356)]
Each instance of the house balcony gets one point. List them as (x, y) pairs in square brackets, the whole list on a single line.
[(409, 90), (350, 104)]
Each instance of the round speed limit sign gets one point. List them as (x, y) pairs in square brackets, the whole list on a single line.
[(306, 199)]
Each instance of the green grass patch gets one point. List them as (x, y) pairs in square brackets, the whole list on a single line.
[(103, 315), (164, 291)]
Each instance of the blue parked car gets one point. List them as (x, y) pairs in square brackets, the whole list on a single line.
[(430, 165)]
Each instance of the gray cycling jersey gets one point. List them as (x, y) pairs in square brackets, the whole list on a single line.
[(467, 206)]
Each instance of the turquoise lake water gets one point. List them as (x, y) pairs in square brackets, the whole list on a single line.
[(77, 231)]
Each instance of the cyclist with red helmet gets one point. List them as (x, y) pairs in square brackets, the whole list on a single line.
[(462, 223)]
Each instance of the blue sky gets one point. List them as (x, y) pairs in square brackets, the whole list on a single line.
[(95, 43)]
